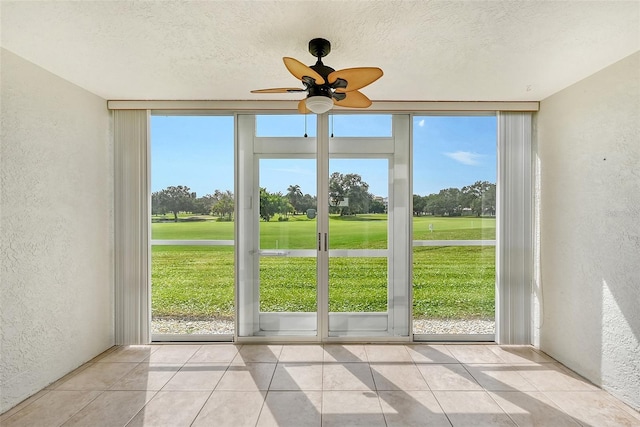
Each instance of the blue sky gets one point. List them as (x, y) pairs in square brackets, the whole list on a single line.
[(197, 151)]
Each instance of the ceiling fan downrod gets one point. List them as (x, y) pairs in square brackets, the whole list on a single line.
[(320, 48)]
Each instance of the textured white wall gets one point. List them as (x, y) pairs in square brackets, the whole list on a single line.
[(589, 154), (56, 183)]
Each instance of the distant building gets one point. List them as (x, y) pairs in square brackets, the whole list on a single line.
[(383, 200)]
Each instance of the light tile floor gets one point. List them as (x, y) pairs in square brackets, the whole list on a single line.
[(321, 385)]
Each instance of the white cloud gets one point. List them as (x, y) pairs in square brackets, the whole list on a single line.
[(421, 123), (465, 157)]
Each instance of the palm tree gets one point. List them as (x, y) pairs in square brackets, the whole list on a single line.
[(294, 194)]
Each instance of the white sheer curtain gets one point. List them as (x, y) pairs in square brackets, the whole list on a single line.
[(514, 270), (132, 295)]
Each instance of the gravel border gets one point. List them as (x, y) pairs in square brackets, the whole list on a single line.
[(454, 326), (225, 326), (194, 327)]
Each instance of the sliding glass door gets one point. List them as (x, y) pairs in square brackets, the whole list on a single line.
[(316, 229)]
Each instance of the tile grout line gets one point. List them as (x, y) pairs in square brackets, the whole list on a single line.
[(515, 423), (203, 405), (433, 394), (88, 403), (466, 367), (155, 393), (322, 384), (43, 392), (375, 385), (544, 393), (266, 392)]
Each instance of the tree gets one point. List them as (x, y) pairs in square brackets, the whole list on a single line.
[(480, 197), (432, 204), (377, 206), (203, 205), (489, 201), (294, 194), (308, 202), (351, 187), (223, 204), (173, 199), (156, 205), (435, 204), (284, 207), (450, 201), (419, 204), (270, 204)]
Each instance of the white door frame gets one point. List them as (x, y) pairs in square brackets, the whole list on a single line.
[(395, 324)]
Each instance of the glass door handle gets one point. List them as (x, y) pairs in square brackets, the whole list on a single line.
[(266, 252), (320, 242)]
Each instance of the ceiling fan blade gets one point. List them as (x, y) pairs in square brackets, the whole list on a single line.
[(356, 78), (299, 70), (353, 99), (302, 107), (279, 90)]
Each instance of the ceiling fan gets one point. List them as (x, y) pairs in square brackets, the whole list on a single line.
[(326, 86)]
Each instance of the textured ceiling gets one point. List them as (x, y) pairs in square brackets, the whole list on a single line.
[(220, 50)]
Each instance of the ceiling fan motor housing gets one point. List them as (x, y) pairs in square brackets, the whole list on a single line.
[(320, 90)]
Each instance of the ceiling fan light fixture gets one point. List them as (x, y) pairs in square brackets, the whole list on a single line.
[(319, 104)]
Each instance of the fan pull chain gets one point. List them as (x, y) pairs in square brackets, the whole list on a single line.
[(305, 125), (332, 126)]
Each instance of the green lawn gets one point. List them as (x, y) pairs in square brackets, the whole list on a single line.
[(448, 282), (360, 231), (203, 230)]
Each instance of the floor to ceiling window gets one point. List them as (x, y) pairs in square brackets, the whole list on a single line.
[(192, 226), (454, 226), (314, 270), (487, 267)]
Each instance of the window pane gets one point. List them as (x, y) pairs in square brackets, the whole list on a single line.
[(192, 289), (295, 125), (454, 290), (192, 173), (454, 186), (358, 202), (192, 177), (287, 224), (355, 125), (288, 284), (287, 203), (357, 284)]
